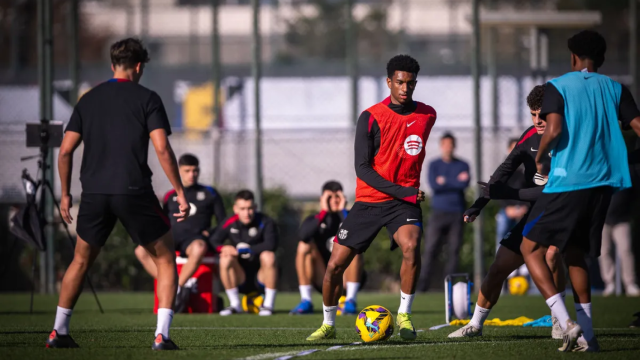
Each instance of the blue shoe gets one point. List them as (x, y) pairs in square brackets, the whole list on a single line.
[(350, 307), (305, 307)]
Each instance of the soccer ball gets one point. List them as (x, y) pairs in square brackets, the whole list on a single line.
[(251, 302), (460, 300), (374, 323), (518, 285)]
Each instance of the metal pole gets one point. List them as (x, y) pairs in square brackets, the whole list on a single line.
[(45, 72), (215, 55), (352, 60), (633, 47), (493, 74), (544, 56), (478, 267), (74, 61), (255, 70), (144, 19), (533, 53)]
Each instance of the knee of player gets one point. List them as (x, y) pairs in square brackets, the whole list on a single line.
[(410, 248), (267, 258), (141, 253), (198, 248), (496, 272), (303, 248), (553, 256), (334, 269)]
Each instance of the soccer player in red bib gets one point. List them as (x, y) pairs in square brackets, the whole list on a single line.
[(389, 151)]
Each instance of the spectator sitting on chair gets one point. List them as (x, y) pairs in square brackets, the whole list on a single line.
[(448, 178), (250, 262), (190, 235)]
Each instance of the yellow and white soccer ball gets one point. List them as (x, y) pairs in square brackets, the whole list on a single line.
[(341, 302), (518, 285), (251, 303), (374, 323)]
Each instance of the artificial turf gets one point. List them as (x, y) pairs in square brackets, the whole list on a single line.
[(126, 329)]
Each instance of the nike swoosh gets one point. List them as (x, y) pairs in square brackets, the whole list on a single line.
[(411, 123), (327, 311), (553, 304), (532, 149), (412, 219)]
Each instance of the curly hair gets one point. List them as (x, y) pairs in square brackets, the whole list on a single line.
[(402, 63), (534, 99), (128, 52), (588, 44)]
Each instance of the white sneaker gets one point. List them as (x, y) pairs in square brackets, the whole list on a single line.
[(230, 311), (570, 336), (586, 346), (466, 331), (632, 291), (556, 330), (264, 311), (609, 290)]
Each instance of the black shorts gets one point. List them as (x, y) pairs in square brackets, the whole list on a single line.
[(513, 239), (140, 215), (570, 218), (366, 219), (251, 267), (183, 242)]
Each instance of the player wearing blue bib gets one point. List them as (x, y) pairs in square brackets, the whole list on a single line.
[(588, 164)]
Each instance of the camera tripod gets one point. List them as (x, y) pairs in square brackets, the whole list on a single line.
[(43, 184)]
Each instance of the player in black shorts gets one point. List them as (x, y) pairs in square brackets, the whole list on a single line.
[(389, 150), (190, 236), (508, 258), (115, 121), (249, 263), (314, 250)]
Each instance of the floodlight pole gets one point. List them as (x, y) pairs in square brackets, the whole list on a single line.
[(493, 73), (256, 71), (73, 51), (352, 59), (215, 57), (45, 80), (633, 47), (478, 265)]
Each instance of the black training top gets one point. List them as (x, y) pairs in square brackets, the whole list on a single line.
[(261, 234), (321, 228), (205, 203), (114, 120), (524, 153)]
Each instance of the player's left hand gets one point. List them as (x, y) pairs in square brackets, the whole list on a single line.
[(542, 169), (66, 202), (421, 196)]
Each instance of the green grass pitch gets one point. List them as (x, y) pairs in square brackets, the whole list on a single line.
[(126, 329)]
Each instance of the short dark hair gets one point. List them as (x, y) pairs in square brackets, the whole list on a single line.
[(332, 185), (188, 160), (244, 195), (128, 52), (534, 99), (402, 63), (588, 44), (449, 135)]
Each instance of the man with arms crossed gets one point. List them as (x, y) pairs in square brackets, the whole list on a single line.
[(389, 152), (115, 121), (589, 163)]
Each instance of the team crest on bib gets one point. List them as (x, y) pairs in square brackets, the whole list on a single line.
[(253, 232), (343, 234), (200, 195), (413, 145)]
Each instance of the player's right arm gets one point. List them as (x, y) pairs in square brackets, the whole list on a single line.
[(364, 153), (72, 138), (502, 175), (159, 130)]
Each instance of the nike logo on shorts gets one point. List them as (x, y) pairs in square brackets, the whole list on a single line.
[(532, 149), (411, 123), (412, 219)]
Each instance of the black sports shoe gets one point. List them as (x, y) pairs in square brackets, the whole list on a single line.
[(182, 300), (60, 341), (160, 343)]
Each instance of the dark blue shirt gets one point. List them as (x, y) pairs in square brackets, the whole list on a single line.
[(449, 196)]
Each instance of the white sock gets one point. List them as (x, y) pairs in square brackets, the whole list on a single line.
[(352, 290), (556, 304), (583, 313), (165, 316), (406, 301), (234, 298), (269, 297), (329, 314), (480, 314), (563, 293), (63, 317), (305, 292)]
